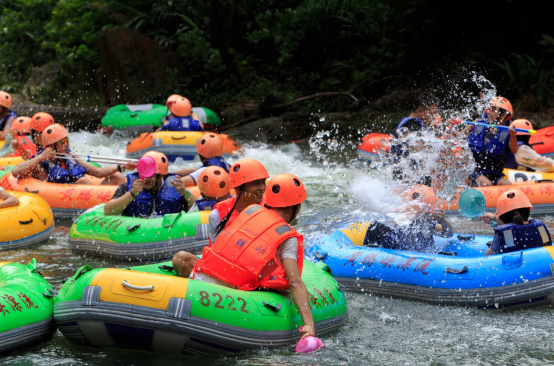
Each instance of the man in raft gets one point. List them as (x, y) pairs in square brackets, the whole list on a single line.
[(149, 196), (6, 114), (259, 249), (210, 150), (46, 166)]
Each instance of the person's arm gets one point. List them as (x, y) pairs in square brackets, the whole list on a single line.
[(183, 191), (495, 246), (32, 166), (195, 117), (184, 171), (489, 216), (8, 200), (513, 139), (300, 296), (7, 127), (118, 204), (528, 157), (105, 171)]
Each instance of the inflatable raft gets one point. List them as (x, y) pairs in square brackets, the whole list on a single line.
[(133, 238), (149, 308), (66, 200), (459, 274), (141, 118), (543, 141), (174, 145), (26, 306), (521, 176), (28, 223)]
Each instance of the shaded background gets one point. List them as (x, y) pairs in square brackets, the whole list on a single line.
[(246, 58)]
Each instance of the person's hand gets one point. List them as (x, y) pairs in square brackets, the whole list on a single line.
[(16, 144), (47, 154), (132, 165), (487, 217), (512, 131), (179, 185), (137, 188), (307, 330)]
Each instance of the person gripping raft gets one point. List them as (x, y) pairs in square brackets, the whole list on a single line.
[(214, 187), (7, 116), (515, 231), (491, 147), (150, 195), (181, 117), (259, 249), (210, 151), (526, 158), (46, 166)]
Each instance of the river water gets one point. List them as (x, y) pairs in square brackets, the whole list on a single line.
[(378, 331)]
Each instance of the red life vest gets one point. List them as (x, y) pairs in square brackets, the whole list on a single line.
[(244, 254), (26, 144), (224, 207)]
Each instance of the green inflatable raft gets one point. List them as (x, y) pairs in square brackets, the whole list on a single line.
[(149, 308), (133, 238), (26, 306), (140, 118)]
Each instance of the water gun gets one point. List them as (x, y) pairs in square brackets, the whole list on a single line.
[(504, 128)]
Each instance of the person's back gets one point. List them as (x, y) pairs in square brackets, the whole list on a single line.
[(181, 118)]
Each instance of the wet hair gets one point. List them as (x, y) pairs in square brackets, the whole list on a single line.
[(413, 126), (219, 228), (522, 176), (425, 100), (517, 216)]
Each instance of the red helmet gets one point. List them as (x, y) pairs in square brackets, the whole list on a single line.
[(213, 182), (21, 125), (285, 190), (41, 120), (5, 99), (162, 164), (210, 146), (53, 134), (523, 124), (172, 98), (181, 107), (512, 200), (247, 170)]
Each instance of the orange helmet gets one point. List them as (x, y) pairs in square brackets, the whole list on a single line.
[(5, 99), (41, 120), (523, 124), (172, 98), (512, 200), (181, 107), (247, 170), (214, 182), (53, 134), (162, 164), (422, 194), (21, 125), (503, 103), (210, 146), (285, 190)]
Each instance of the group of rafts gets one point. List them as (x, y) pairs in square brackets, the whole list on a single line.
[(149, 307)]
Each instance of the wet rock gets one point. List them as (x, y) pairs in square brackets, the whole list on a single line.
[(134, 66)]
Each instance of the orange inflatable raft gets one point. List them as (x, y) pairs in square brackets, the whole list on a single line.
[(174, 144), (543, 141)]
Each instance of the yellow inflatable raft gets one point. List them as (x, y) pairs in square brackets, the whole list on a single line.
[(30, 222)]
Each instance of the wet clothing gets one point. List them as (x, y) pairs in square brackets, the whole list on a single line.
[(182, 124), (512, 237), (204, 204), (217, 161), (4, 120), (512, 163), (166, 201), (64, 171)]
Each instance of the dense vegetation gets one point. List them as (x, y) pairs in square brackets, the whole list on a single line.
[(274, 51)]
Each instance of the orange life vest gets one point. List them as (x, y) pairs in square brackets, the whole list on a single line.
[(224, 207), (244, 254)]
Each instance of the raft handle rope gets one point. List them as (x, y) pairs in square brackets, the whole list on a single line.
[(25, 222), (456, 271), (320, 256), (178, 138), (448, 253), (466, 237), (132, 228), (27, 190), (274, 308), (166, 268), (51, 294), (138, 288)]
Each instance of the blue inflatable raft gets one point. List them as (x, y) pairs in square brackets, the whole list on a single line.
[(458, 274)]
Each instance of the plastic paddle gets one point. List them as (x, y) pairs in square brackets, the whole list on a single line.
[(472, 203), (504, 128)]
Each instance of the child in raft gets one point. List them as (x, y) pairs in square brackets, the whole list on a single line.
[(181, 117), (213, 184), (6, 114), (416, 235), (516, 231), (491, 147), (527, 159)]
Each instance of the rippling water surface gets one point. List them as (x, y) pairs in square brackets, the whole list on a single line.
[(379, 330)]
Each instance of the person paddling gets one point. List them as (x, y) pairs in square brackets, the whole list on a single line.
[(259, 250)]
